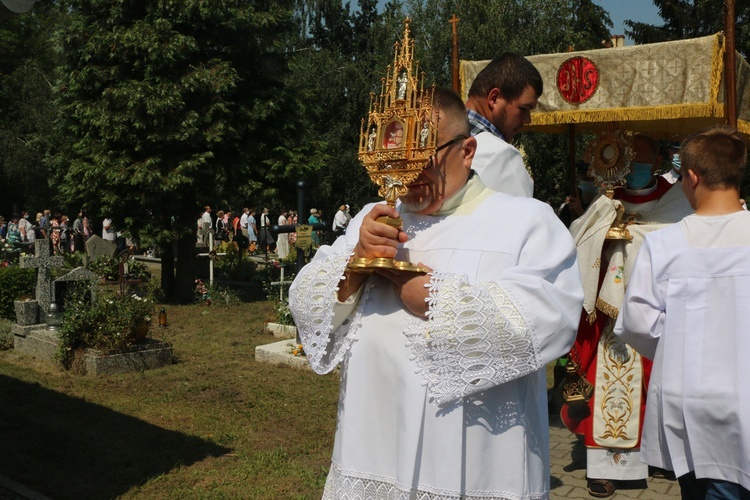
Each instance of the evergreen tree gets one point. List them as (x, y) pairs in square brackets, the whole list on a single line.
[(26, 71), (167, 106), (690, 19)]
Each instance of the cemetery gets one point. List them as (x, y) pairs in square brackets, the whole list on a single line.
[(203, 394)]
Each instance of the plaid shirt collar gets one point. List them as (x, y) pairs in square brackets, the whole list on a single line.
[(478, 123)]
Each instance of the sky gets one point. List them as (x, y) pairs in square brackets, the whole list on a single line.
[(634, 10), (619, 10)]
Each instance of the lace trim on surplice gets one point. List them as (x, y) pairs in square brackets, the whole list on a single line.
[(348, 485), (474, 338), (312, 304)]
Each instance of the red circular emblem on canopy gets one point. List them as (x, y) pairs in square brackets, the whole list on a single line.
[(577, 79)]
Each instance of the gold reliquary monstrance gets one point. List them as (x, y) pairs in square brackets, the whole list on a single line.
[(397, 140), (609, 157)]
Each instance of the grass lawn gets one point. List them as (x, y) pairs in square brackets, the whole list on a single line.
[(215, 424)]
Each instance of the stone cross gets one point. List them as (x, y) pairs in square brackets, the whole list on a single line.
[(43, 262), (77, 275)]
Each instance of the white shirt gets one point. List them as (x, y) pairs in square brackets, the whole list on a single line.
[(207, 218), (686, 309), (243, 221), (107, 232), (501, 167), (339, 220), (415, 419)]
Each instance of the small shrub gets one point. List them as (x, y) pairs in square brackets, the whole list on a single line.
[(109, 268), (207, 294), (111, 323), (15, 283)]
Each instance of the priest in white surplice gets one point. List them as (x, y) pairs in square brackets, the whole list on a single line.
[(686, 309), (443, 386)]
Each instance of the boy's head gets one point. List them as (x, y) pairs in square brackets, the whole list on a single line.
[(716, 155)]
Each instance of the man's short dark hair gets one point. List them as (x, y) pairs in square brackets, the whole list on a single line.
[(451, 105), (717, 154), (509, 72)]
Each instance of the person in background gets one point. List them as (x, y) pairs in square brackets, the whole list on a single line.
[(500, 102), (615, 402), (282, 240), (13, 234), (585, 194), (685, 309), (340, 221), (313, 219)]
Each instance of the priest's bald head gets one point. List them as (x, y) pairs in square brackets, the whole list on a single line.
[(448, 168)]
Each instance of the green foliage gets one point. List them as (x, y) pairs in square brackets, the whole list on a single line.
[(348, 53), (9, 254), (160, 99), (27, 128), (15, 283), (692, 18), (111, 322), (234, 266), (215, 294), (109, 268)]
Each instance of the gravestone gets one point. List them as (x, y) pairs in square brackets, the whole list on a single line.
[(97, 247), (43, 261), (78, 275)]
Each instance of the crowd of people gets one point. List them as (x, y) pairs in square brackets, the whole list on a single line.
[(443, 373), (21, 231), (252, 232)]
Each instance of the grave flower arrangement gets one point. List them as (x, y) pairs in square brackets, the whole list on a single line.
[(297, 349), (202, 292), (8, 254), (110, 322)]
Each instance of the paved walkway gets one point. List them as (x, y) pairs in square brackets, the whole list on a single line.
[(568, 471)]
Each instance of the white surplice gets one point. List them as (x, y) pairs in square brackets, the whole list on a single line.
[(453, 406), (501, 167), (686, 308)]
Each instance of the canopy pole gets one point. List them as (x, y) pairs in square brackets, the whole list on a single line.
[(730, 66), (454, 60), (573, 179)]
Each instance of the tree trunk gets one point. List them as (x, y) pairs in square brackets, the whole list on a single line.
[(167, 272), (185, 278)]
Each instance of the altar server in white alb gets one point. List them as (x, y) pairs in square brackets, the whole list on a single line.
[(686, 308), (443, 387)]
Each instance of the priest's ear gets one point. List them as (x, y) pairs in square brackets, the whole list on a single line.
[(468, 149)]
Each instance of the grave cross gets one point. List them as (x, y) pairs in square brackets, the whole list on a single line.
[(211, 254), (43, 262)]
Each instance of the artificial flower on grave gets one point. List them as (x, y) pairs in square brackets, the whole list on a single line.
[(202, 292)]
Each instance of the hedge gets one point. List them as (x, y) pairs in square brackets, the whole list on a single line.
[(15, 283)]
